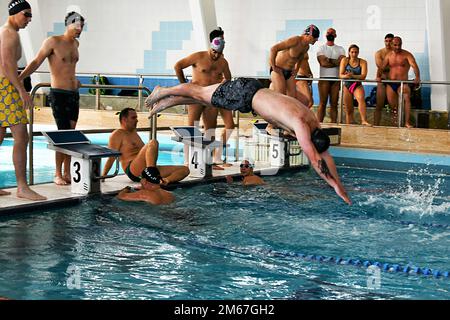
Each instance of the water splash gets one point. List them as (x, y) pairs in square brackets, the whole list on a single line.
[(421, 194)]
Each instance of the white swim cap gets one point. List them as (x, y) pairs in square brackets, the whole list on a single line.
[(218, 44)]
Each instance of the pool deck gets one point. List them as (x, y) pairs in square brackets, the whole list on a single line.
[(62, 196)]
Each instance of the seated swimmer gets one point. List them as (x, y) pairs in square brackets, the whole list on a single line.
[(136, 155), (150, 192), (248, 177)]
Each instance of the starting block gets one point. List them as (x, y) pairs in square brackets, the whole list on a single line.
[(280, 150), (200, 150), (86, 159)]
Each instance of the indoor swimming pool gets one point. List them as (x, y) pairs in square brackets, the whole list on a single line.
[(289, 239)]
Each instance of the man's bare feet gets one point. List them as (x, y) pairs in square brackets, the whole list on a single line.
[(365, 123), (153, 97), (60, 181), (4, 193), (222, 164), (27, 193), (408, 125), (226, 165), (68, 179), (170, 101)]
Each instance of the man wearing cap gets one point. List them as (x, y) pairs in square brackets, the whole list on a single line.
[(329, 56), (285, 60), (62, 54), (135, 155), (14, 99), (150, 191), (286, 57), (249, 178), (208, 67)]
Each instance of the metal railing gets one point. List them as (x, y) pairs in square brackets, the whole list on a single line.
[(401, 95), (153, 120), (140, 77)]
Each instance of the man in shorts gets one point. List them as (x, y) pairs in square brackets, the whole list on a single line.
[(208, 67), (62, 54), (14, 99)]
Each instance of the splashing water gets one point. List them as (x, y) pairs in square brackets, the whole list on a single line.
[(424, 196), (419, 194)]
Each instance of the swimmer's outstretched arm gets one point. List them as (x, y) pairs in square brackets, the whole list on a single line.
[(323, 163)]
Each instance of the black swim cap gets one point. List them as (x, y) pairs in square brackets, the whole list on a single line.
[(16, 6), (73, 17), (312, 30), (320, 140), (151, 174)]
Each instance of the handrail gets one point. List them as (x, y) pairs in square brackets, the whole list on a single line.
[(90, 86), (165, 75), (340, 110), (402, 82)]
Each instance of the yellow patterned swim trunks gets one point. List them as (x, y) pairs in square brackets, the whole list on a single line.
[(11, 105)]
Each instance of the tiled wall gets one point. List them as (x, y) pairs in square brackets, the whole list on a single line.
[(149, 36), (170, 36)]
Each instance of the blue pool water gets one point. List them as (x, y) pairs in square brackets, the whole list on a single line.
[(222, 241), (44, 165)]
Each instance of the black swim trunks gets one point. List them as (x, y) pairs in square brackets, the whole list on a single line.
[(130, 175), (65, 106), (236, 94), (286, 73)]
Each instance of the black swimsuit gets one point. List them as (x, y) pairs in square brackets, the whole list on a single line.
[(236, 94), (286, 73), (65, 105)]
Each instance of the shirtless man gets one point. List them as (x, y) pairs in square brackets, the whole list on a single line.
[(62, 54), (15, 99), (136, 156), (304, 87), (381, 87), (208, 67), (246, 95), (151, 180), (399, 62), (248, 177), (285, 59)]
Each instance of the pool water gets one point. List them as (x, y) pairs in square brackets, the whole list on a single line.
[(221, 241)]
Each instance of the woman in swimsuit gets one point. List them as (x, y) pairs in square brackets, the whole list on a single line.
[(353, 67)]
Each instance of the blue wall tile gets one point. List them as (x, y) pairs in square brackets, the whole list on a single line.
[(170, 37)]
